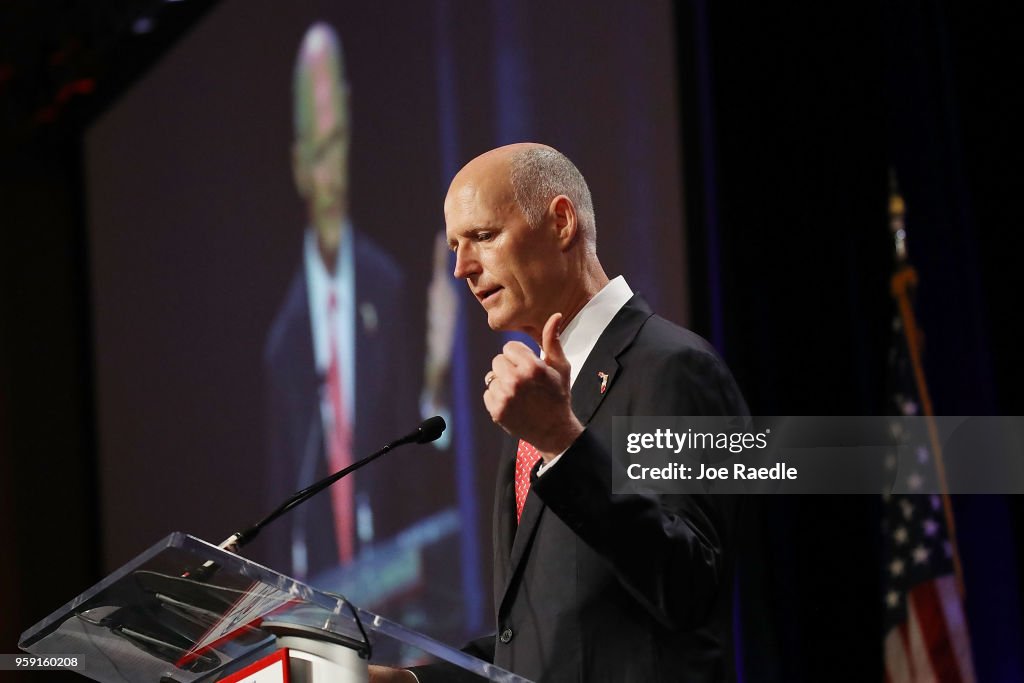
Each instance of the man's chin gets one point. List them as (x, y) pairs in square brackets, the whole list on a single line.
[(497, 322), (494, 325)]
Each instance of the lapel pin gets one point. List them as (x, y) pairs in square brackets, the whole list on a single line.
[(368, 312), (604, 380)]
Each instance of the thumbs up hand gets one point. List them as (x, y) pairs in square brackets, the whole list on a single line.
[(551, 345), (529, 397)]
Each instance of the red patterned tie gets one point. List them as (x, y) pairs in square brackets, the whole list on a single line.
[(526, 457), (339, 447)]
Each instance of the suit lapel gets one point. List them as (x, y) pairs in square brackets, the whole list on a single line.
[(369, 355), (597, 376), (504, 522), (513, 539), (305, 381), (532, 509), (600, 368)]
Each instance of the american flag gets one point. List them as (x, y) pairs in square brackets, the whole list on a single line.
[(925, 629)]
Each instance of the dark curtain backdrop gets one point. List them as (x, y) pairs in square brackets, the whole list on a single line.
[(47, 475), (789, 252), (810, 108)]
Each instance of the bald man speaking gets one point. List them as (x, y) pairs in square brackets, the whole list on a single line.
[(588, 585)]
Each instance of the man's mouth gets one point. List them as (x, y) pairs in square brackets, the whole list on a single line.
[(484, 294)]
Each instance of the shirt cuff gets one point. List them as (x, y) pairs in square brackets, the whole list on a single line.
[(545, 466)]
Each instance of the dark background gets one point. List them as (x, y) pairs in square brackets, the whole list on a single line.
[(791, 118)]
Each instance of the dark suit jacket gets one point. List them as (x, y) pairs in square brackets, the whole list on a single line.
[(594, 586), (385, 409)]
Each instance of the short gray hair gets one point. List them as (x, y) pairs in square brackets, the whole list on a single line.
[(538, 175)]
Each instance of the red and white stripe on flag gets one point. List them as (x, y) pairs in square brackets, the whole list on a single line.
[(933, 644)]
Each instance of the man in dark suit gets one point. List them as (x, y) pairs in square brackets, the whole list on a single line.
[(336, 358), (588, 585), (304, 542)]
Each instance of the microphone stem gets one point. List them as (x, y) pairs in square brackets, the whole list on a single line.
[(428, 431), (242, 538)]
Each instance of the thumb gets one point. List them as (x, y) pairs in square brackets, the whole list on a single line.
[(554, 356)]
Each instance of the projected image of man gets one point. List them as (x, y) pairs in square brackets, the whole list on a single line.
[(335, 355)]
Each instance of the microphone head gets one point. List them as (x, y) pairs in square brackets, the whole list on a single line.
[(431, 429)]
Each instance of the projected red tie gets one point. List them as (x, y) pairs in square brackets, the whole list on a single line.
[(526, 457), (339, 447)]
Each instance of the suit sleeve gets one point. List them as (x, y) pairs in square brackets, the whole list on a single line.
[(668, 551)]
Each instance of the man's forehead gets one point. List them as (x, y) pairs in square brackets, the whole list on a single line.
[(326, 98), (472, 205), (485, 185), (462, 211), (464, 194), (321, 97)]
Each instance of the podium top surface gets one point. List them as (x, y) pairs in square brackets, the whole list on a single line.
[(185, 610)]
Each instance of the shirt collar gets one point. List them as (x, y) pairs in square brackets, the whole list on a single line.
[(581, 334), (315, 265), (321, 284)]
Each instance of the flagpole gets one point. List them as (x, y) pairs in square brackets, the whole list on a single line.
[(902, 283)]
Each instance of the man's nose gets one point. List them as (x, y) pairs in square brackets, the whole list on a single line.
[(465, 263)]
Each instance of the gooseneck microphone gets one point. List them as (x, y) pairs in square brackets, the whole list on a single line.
[(429, 430)]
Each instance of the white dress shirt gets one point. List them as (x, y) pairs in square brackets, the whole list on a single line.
[(581, 334), (320, 284)]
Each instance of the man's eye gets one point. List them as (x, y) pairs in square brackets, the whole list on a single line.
[(483, 236)]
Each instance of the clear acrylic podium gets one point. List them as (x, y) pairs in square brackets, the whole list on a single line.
[(186, 611)]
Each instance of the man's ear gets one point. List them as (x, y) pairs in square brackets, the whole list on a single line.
[(300, 173), (563, 214)]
